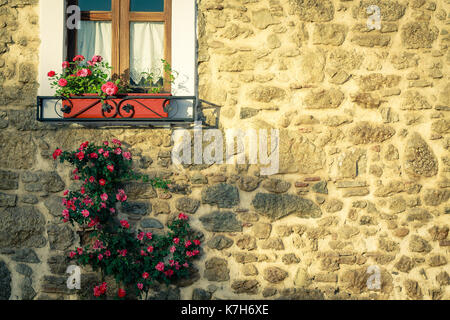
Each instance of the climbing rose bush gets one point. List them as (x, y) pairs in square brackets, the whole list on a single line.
[(136, 259)]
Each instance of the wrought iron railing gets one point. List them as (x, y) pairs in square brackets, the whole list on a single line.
[(118, 109)]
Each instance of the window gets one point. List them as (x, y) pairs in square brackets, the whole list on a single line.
[(178, 47), (132, 35)]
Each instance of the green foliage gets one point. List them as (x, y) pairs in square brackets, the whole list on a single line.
[(154, 81)]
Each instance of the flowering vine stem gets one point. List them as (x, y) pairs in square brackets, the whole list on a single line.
[(136, 259)]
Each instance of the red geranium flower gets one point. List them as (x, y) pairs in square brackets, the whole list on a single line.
[(79, 58)]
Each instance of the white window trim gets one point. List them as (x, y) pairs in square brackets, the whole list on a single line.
[(184, 39)]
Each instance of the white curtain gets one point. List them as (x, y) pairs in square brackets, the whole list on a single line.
[(146, 48), (94, 38)]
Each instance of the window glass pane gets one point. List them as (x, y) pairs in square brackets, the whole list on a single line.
[(147, 5), (94, 38), (146, 52), (95, 5)]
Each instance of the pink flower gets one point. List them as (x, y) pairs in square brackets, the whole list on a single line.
[(127, 155), (116, 141), (118, 151), (186, 265), (105, 143), (140, 286), (84, 145), (112, 210), (100, 290), (102, 182), (76, 177), (143, 253), (80, 155), (187, 243), (145, 275), (176, 240), (100, 257), (93, 155), (107, 253), (57, 153), (182, 216), (106, 154), (79, 58), (173, 249), (150, 249), (51, 74), (84, 73), (85, 213), (92, 223), (149, 235), (125, 224), (110, 167), (169, 272), (123, 252), (121, 196), (197, 242), (65, 64), (66, 192), (97, 58), (104, 197), (91, 179), (140, 236), (72, 254), (110, 88), (80, 250), (160, 266), (62, 82)]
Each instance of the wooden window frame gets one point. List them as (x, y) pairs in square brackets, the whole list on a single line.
[(121, 17)]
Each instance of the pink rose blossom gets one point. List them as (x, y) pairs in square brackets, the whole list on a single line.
[(85, 213), (110, 88), (62, 82), (160, 266), (104, 197)]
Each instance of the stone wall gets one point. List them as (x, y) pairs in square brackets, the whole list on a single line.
[(364, 172)]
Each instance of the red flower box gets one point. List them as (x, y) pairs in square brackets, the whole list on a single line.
[(120, 106)]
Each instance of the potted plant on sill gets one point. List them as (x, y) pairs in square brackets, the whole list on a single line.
[(80, 80)]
